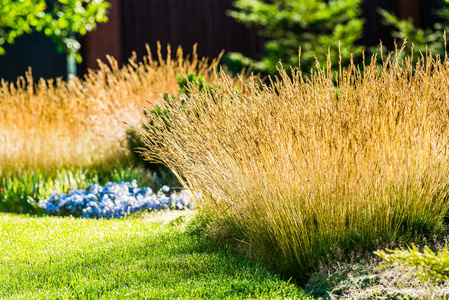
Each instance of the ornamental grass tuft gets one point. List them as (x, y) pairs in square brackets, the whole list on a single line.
[(300, 169), (53, 124)]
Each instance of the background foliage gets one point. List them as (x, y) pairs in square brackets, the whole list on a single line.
[(60, 20), (317, 26), (423, 39)]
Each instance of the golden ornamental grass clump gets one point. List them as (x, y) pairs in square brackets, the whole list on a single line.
[(300, 168), (53, 124)]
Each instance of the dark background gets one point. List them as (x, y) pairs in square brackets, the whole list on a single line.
[(134, 23)]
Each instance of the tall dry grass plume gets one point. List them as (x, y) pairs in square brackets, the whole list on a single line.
[(53, 124), (300, 168)]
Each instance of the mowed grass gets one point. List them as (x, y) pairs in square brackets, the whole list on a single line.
[(66, 258)]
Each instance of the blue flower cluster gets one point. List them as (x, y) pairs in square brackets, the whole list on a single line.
[(114, 200)]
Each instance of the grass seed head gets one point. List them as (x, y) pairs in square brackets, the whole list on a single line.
[(298, 167)]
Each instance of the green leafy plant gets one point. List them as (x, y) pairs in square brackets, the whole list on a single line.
[(20, 193), (433, 266), (17, 18), (317, 26), (135, 140), (191, 78), (61, 20)]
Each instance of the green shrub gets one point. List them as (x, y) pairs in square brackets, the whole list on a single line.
[(135, 140), (190, 78), (431, 266), (317, 26)]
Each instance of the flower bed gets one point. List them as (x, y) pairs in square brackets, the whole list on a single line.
[(114, 200)]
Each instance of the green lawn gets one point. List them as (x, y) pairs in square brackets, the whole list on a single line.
[(66, 258)]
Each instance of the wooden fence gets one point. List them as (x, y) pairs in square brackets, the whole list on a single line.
[(35, 50), (184, 23)]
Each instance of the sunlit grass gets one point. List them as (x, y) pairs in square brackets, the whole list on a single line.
[(137, 258), (300, 170), (54, 124)]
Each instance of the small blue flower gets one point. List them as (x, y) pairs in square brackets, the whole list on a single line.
[(114, 200)]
